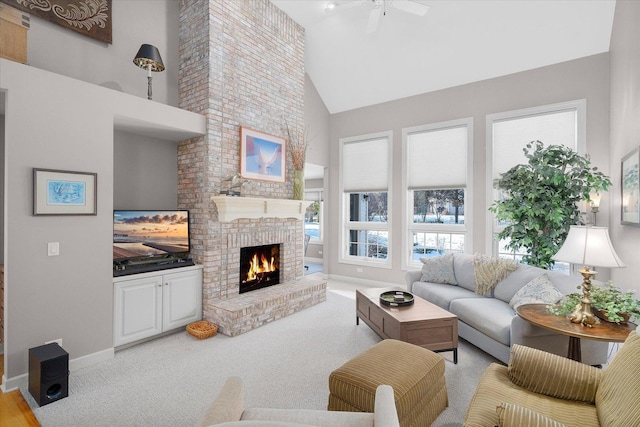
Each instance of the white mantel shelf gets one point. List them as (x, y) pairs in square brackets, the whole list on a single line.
[(231, 208)]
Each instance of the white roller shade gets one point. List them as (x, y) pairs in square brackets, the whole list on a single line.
[(365, 165), (512, 135), (437, 158)]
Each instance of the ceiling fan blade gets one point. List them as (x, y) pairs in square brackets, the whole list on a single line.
[(374, 19), (410, 7), (335, 6)]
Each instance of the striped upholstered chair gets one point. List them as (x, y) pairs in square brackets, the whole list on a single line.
[(543, 389)]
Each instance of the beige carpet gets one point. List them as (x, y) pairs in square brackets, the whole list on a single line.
[(170, 381)]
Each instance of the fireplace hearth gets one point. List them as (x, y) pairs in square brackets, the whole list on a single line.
[(259, 267)]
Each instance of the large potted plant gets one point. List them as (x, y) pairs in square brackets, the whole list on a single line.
[(541, 199)]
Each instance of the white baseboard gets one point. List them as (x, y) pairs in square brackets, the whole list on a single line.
[(14, 383), (366, 282)]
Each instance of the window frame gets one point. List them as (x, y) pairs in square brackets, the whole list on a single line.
[(580, 107), (408, 226), (346, 225)]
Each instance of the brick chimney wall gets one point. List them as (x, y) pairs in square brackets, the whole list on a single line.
[(241, 64)]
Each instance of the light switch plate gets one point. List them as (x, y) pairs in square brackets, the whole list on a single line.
[(53, 248)]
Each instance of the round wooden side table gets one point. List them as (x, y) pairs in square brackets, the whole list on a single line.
[(539, 315)]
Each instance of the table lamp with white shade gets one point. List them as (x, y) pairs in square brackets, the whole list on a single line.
[(591, 247)]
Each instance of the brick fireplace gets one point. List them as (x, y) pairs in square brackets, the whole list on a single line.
[(246, 222), (241, 64)]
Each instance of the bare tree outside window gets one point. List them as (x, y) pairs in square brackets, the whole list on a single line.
[(439, 206)]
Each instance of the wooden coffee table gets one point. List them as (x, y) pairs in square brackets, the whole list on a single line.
[(422, 323), (539, 315)]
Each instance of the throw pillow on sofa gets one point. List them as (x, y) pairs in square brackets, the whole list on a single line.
[(489, 271), (538, 291), (438, 270)]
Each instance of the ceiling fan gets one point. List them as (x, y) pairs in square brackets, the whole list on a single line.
[(379, 8)]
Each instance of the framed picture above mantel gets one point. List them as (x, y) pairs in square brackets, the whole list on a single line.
[(57, 192), (262, 156), (630, 185)]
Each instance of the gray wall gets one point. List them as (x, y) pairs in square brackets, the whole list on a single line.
[(586, 78), (54, 48), (68, 296), (317, 117), (625, 132), (145, 172)]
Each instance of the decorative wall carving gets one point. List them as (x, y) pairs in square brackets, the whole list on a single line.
[(91, 18)]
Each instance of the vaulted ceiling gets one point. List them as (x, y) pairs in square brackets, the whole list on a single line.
[(454, 43)]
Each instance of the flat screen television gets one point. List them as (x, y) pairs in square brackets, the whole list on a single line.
[(142, 237)]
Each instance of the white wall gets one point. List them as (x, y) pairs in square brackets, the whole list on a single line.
[(625, 132), (54, 48), (586, 78)]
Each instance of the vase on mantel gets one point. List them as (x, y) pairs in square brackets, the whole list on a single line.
[(298, 184)]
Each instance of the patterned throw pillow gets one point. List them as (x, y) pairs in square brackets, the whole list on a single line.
[(489, 271), (538, 291), (438, 270)]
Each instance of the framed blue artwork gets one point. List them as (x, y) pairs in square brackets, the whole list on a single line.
[(57, 192), (262, 156)]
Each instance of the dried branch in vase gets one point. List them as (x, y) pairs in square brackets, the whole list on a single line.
[(298, 144)]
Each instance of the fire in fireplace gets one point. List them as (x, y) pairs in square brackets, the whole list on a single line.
[(259, 267)]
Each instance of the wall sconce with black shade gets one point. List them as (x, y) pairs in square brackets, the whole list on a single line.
[(148, 57)]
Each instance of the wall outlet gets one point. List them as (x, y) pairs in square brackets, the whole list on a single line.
[(59, 341), (319, 252), (359, 270)]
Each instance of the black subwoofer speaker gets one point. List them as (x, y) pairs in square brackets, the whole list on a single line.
[(48, 373)]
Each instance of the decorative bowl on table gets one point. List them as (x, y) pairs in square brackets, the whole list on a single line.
[(396, 298)]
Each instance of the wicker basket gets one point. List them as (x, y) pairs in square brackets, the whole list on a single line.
[(202, 329)]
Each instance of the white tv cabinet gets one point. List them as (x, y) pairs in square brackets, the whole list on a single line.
[(148, 304)]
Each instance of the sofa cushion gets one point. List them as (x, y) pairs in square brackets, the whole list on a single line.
[(309, 417), (538, 291), (552, 375), (463, 269), (510, 415), (507, 288), (489, 271), (438, 270), (566, 283), (490, 316), (441, 295), (260, 423), (495, 387), (617, 395)]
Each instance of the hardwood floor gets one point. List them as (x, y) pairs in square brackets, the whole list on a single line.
[(14, 410)]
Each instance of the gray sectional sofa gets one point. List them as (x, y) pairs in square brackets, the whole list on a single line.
[(489, 322)]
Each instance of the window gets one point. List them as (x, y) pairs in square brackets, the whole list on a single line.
[(507, 135), (365, 176), (437, 193), (313, 216)]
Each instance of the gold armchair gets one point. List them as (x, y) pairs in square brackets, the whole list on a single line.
[(543, 389)]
